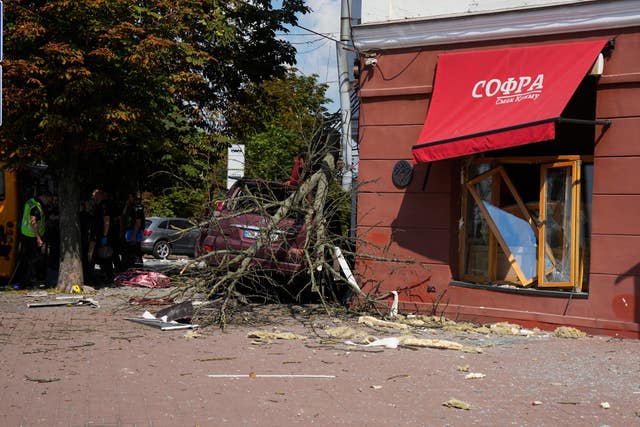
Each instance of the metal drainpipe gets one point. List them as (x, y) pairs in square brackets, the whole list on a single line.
[(345, 100), (348, 177)]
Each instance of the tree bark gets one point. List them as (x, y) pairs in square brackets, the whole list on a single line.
[(70, 272)]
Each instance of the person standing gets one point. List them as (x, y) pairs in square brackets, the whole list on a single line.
[(133, 226), (85, 220), (103, 253), (32, 231), (116, 233), (52, 227)]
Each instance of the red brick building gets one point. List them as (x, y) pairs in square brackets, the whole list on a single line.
[(522, 128)]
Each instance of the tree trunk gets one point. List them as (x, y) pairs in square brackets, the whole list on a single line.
[(70, 272)]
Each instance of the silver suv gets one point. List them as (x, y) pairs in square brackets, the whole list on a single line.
[(163, 236)]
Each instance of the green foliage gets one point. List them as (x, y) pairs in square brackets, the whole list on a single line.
[(270, 154), (278, 119), (180, 202), (121, 84), (181, 183)]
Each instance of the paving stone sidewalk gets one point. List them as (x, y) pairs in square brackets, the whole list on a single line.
[(84, 366)]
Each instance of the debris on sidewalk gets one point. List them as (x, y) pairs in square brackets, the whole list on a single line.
[(389, 342), (254, 375), (37, 294), (395, 377), (444, 324), (410, 341), (505, 328), (177, 312), (349, 333), (536, 403), (162, 323), (142, 278), (264, 335), (150, 301), (457, 404), (41, 380), (605, 405), (373, 322), (393, 311), (66, 302), (568, 332), (344, 266), (474, 376), (190, 335)]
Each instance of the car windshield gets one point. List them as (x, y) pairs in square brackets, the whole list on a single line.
[(147, 223)]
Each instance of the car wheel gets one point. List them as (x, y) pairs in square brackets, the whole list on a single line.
[(161, 249)]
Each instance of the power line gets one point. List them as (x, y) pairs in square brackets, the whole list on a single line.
[(314, 48), (302, 34), (344, 45), (309, 41)]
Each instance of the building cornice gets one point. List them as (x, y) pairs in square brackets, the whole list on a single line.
[(578, 17)]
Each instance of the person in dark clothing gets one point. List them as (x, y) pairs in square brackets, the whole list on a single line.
[(86, 223), (32, 232), (103, 253), (132, 220), (52, 226), (115, 236)]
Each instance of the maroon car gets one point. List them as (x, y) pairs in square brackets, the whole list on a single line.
[(243, 217)]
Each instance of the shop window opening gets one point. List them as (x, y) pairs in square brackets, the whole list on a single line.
[(526, 222)]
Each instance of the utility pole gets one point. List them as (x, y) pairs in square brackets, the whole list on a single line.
[(345, 100)]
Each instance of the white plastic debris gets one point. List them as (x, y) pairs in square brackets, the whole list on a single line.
[(474, 376), (150, 319), (393, 312), (147, 315), (389, 342)]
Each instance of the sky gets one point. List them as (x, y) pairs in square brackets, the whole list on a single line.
[(317, 55)]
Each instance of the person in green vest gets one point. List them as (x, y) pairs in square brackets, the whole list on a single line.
[(32, 230)]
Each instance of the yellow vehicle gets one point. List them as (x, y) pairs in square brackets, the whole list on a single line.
[(9, 221)]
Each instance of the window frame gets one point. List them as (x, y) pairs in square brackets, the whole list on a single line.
[(495, 230), (574, 228), (496, 243)]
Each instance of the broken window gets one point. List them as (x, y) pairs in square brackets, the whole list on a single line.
[(525, 222)]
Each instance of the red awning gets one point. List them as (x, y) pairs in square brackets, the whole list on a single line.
[(492, 99)]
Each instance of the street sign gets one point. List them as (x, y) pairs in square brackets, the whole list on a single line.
[(235, 163)]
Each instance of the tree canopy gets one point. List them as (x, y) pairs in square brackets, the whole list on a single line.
[(121, 80), (277, 119), (102, 90)]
